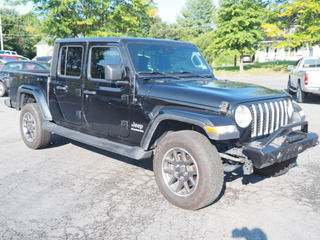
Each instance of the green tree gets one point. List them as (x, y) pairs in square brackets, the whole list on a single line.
[(163, 30), (239, 27), (196, 18), (20, 32), (71, 18), (295, 22)]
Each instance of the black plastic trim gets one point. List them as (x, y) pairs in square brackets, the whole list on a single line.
[(196, 117), (39, 96), (105, 144), (280, 146)]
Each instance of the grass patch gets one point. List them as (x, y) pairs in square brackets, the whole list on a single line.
[(267, 68)]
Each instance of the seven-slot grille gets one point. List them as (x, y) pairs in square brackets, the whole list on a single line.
[(267, 117)]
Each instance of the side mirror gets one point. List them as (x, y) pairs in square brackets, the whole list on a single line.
[(113, 72), (290, 67)]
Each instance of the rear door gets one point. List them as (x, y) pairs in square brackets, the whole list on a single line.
[(67, 86), (105, 103)]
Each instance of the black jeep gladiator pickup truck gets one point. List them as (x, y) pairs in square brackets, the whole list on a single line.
[(139, 97)]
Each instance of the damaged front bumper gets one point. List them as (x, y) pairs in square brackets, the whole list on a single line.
[(286, 143)]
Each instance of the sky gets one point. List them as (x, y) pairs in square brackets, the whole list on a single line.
[(21, 9), (167, 9)]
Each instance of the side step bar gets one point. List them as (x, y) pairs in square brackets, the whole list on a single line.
[(122, 149), (293, 90)]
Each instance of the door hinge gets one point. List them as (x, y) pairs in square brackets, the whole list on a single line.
[(125, 98), (125, 124), (78, 114), (78, 92)]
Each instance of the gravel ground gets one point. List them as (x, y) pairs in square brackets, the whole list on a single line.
[(73, 191)]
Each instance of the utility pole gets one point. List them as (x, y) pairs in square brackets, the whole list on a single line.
[(1, 38)]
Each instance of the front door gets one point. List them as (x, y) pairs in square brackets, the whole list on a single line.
[(106, 108), (67, 85)]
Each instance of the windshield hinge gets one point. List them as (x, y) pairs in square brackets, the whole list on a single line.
[(224, 108)]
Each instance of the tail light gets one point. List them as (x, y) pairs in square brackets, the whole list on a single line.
[(306, 79)]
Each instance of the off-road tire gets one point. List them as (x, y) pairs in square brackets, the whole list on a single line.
[(2, 89), (31, 127), (276, 169), (194, 163), (301, 95)]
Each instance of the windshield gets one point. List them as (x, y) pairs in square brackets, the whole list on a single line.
[(167, 58)]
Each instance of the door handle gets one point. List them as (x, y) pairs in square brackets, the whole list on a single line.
[(63, 88), (89, 92)]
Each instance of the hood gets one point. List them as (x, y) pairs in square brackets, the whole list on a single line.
[(210, 94)]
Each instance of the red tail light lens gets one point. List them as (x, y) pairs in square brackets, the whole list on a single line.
[(306, 79)]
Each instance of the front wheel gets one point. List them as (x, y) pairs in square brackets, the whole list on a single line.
[(277, 169), (301, 95), (188, 170), (31, 127)]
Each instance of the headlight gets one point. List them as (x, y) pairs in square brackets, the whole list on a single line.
[(243, 116), (290, 109), (297, 115)]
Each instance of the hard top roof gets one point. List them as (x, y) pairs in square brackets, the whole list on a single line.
[(117, 40)]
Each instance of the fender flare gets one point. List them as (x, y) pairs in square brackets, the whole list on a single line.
[(40, 97), (190, 116)]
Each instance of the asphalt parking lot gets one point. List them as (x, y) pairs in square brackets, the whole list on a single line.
[(73, 191)]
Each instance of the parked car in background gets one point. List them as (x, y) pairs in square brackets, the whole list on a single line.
[(18, 66), (304, 78), (10, 58), (8, 52), (43, 59), (246, 58)]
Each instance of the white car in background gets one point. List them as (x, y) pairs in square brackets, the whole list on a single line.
[(304, 77), (8, 52)]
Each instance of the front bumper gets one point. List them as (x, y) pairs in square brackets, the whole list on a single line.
[(282, 145)]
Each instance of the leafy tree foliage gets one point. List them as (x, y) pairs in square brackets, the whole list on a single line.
[(296, 22), (20, 32), (163, 30), (72, 18), (198, 17), (239, 26)]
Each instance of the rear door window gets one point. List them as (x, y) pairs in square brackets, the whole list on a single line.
[(71, 61)]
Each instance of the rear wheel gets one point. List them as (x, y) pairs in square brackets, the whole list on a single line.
[(301, 95), (2, 89), (31, 127), (277, 169), (188, 169)]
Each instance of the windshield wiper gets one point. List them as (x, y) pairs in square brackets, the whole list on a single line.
[(160, 73), (192, 73)]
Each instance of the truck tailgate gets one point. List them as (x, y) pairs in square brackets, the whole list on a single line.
[(313, 78)]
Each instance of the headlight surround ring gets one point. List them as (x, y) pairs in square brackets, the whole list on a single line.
[(243, 116)]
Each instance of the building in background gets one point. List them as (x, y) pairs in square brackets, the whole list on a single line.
[(267, 52), (43, 48)]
